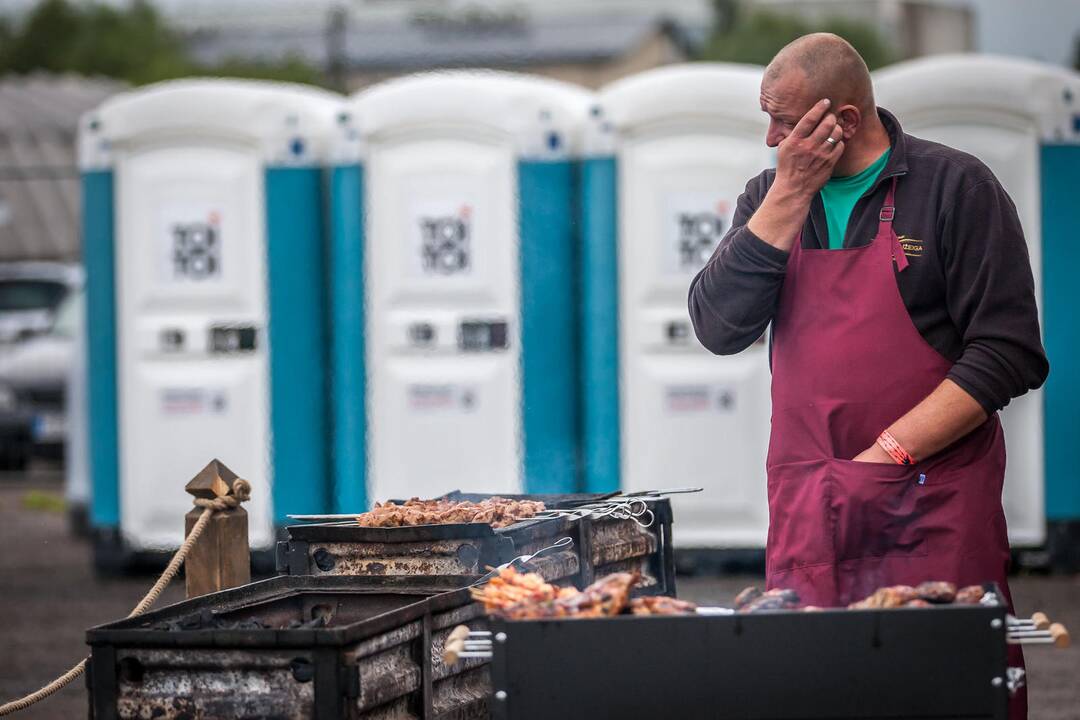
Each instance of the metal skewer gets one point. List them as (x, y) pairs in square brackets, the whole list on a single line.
[(1056, 635)]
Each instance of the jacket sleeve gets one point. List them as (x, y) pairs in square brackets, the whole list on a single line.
[(734, 296), (990, 294)]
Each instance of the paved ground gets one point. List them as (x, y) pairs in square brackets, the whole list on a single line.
[(49, 596)]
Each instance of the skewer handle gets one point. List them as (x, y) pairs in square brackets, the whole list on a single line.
[(455, 644), (1060, 635), (1041, 621)]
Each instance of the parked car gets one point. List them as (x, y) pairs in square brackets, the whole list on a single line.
[(33, 379), (15, 431), (30, 293)]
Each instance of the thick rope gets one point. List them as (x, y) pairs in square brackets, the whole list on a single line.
[(241, 493)]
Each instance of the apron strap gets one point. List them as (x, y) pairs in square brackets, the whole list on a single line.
[(885, 230)]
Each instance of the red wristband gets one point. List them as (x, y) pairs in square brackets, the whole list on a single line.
[(896, 450)]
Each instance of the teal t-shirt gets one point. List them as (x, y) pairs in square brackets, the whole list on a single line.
[(840, 194)]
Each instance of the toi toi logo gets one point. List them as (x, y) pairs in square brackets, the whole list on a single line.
[(699, 233), (196, 248), (445, 242)]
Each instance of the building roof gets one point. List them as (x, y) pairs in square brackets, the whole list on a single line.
[(39, 182), (415, 44)]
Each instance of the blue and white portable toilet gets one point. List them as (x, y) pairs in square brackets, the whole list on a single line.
[(1022, 119), (453, 249), (669, 151), (204, 250)]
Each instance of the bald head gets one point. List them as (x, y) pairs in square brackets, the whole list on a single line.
[(825, 66)]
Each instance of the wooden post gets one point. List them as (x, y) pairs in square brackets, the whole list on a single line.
[(221, 557)]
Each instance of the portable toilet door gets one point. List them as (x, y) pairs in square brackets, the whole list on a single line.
[(455, 361), (669, 152), (1021, 119), (204, 256)]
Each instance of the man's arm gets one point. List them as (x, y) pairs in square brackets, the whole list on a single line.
[(991, 298), (943, 417), (734, 296)]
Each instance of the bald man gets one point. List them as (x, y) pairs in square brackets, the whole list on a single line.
[(896, 279)]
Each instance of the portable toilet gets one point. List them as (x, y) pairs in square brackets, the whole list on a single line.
[(453, 249), (204, 251), (669, 151), (1022, 119)]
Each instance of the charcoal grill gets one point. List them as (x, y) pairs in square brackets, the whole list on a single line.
[(874, 664), (293, 647), (601, 546)]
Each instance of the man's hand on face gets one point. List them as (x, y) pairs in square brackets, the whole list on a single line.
[(806, 157)]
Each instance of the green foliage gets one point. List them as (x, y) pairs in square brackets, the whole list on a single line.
[(757, 36), (132, 44)]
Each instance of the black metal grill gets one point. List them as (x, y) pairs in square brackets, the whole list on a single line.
[(947, 662), (601, 546), (293, 647)]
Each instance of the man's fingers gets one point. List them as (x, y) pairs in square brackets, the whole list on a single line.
[(824, 129), (810, 120)]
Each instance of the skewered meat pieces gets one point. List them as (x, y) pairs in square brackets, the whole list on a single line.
[(746, 596), (970, 595), (917, 603), (887, 597), (510, 588), (522, 596), (495, 511), (937, 591), (661, 605), (776, 599), (611, 593)]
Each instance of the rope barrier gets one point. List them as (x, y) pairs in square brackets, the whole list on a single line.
[(241, 493)]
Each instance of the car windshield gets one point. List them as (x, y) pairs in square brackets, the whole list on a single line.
[(68, 315), (30, 294)]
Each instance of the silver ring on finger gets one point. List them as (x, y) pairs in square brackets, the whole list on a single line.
[(831, 140)]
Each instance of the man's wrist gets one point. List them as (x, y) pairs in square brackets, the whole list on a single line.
[(795, 193)]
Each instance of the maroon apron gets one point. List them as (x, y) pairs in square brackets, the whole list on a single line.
[(848, 362)]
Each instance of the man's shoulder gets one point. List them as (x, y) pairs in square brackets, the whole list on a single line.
[(759, 185), (960, 169)]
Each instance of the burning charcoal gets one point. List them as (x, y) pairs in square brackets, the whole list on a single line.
[(937, 592), (747, 596), (970, 595)]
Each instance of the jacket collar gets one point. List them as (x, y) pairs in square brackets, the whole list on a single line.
[(897, 164)]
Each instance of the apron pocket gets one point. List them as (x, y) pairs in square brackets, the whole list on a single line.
[(800, 532), (875, 510)]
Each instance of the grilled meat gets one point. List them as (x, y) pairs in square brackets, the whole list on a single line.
[(937, 591), (775, 599), (970, 595), (522, 596), (510, 588), (886, 597), (917, 603), (661, 605), (495, 511), (747, 596)]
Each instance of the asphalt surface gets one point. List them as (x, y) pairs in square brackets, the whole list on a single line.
[(49, 596)]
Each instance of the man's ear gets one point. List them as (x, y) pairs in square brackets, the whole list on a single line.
[(849, 118)]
